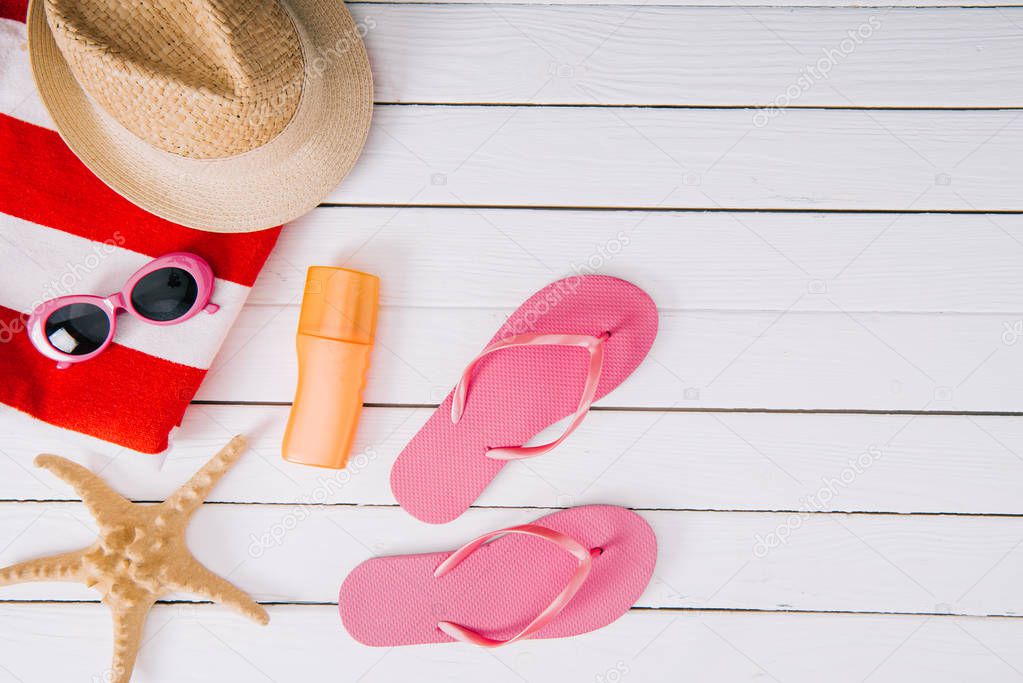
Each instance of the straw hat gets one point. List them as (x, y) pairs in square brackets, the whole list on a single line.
[(223, 115)]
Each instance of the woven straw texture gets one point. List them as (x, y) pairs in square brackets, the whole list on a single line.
[(501, 587), (215, 114), (517, 392), (200, 79)]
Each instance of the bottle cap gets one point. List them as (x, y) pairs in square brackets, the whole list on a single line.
[(340, 304)]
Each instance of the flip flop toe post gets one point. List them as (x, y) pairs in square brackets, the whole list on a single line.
[(570, 344), (568, 573)]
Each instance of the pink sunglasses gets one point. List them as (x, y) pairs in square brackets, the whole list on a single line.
[(166, 291)]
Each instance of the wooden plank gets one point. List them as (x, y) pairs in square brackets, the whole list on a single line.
[(645, 55), (203, 644), (428, 257), (884, 4), (701, 359), (724, 560), (690, 158), (822, 462), (209, 644)]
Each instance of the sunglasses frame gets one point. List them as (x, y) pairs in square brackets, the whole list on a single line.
[(119, 301)]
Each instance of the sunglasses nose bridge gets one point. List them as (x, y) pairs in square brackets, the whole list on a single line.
[(116, 301)]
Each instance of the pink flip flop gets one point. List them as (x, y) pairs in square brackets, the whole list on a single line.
[(571, 572), (570, 344)]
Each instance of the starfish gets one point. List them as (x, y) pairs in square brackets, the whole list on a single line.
[(140, 554)]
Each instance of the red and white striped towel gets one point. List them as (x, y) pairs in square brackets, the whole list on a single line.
[(63, 231)]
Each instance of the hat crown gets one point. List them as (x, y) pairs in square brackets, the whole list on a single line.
[(198, 78)]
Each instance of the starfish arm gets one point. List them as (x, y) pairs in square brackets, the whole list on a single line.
[(128, 626), (96, 494), (192, 577), (64, 567), (189, 497)]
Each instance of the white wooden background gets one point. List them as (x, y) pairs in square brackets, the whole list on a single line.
[(839, 282)]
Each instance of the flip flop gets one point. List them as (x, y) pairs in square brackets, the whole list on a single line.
[(568, 573), (535, 372)]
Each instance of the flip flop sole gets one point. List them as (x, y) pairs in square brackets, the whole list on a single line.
[(498, 589), (518, 392)]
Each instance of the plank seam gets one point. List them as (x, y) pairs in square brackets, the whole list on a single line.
[(700, 310), (546, 508), (735, 6), (750, 107), (675, 209), (677, 409), (737, 610)]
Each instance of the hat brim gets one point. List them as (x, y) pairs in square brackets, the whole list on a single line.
[(261, 188)]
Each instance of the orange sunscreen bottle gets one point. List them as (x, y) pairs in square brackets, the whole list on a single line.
[(335, 335)]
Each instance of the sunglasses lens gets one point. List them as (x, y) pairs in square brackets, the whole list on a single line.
[(165, 294), (78, 329)]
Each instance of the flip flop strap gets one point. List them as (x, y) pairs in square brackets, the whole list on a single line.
[(595, 345), (571, 545)]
